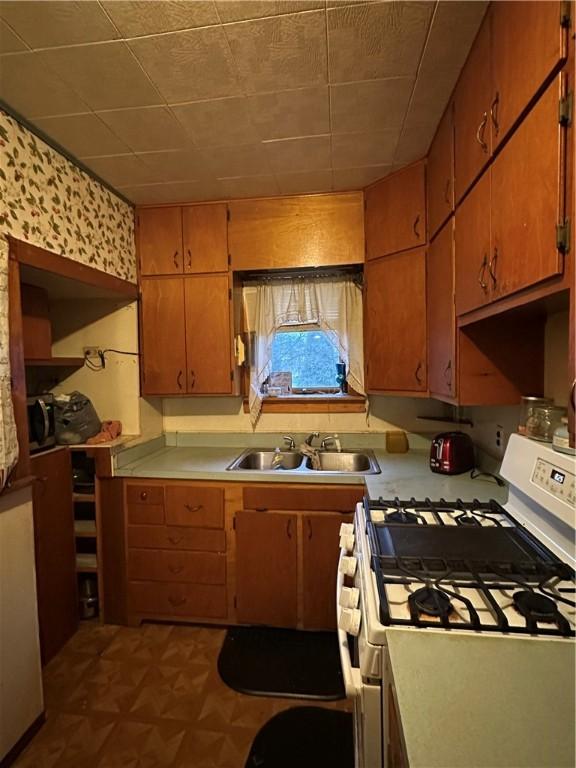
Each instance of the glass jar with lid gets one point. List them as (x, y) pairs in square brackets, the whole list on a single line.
[(527, 405), (543, 420)]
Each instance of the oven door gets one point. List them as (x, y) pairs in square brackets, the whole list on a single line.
[(366, 697)]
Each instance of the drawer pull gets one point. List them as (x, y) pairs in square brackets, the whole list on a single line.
[(143, 495), (417, 372), (174, 540), (175, 569), (176, 601), (197, 508)]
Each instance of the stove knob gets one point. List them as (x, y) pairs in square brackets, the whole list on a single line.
[(346, 528), (348, 566), (347, 541), (349, 597), (349, 621)]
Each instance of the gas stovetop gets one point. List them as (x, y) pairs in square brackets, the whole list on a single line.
[(466, 565)]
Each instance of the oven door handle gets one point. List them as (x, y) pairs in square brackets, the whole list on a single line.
[(351, 675)]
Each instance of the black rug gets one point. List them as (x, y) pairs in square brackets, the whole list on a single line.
[(304, 737), (263, 661)]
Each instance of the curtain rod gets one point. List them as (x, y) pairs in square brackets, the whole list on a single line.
[(312, 272)]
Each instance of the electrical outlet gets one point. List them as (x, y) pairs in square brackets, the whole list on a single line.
[(92, 353)]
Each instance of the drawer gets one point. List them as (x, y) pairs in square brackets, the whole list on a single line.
[(334, 499), (146, 514), (186, 600), (145, 494), (169, 537), (189, 567), (195, 506)]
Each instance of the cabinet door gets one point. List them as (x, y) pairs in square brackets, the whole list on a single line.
[(472, 248), (396, 212), (320, 546), (472, 136), (162, 336), (208, 335), (441, 320), (160, 241), (395, 324), (205, 233), (55, 551), (528, 42), (440, 173), (527, 201), (266, 568)]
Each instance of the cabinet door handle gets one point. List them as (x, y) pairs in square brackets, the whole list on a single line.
[(176, 259), (176, 601), (480, 133), (289, 528), (415, 227), (175, 569), (573, 395), (309, 529), (190, 508), (482, 272), (492, 267), (192, 379), (494, 112), (174, 540), (447, 193), (143, 495), (448, 373), (179, 379), (417, 372), (189, 258)]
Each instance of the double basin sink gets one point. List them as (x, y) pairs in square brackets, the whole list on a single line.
[(333, 462)]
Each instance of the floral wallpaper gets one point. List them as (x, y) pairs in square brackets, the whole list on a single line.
[(48, 201)]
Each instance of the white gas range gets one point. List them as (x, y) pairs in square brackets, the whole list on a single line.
[(459, 567)]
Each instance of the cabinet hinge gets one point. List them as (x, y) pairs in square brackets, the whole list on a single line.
[(565, 13), (565, 109), (563, 236)]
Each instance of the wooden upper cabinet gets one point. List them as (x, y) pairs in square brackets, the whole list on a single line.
[(529, 40), (162, 336), (440, 173), (208, 334), (205, 236), (395, 323), (528, 200), (160, 241), (396, 212), (441, 318), (472, 96), (472, 248), (306, 231)]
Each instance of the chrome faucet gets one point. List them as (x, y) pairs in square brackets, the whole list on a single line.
[(311, 437), (331, 440), (290, 442)]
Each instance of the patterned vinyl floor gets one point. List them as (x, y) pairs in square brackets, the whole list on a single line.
[(151, 697)]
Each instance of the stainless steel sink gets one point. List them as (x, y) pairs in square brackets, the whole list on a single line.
[(358, 462), (268, 460), (332, 462)]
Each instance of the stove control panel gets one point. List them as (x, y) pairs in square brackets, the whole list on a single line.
[(556, 481)]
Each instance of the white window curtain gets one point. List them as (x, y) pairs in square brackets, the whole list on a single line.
[(8, 439), (333, 304)]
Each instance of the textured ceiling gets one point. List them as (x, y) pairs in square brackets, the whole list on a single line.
[(178, 100)]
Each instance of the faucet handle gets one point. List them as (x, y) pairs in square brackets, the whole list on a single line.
[(290, 442)]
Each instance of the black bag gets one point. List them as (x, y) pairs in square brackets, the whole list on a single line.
[(75, 419)]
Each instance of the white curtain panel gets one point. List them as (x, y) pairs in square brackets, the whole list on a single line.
[(8, 439), (333, 304)]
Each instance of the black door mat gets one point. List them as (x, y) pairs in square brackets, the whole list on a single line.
[(304, 737), (263, 661)]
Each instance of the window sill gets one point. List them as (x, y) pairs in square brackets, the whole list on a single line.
[(312, 404)]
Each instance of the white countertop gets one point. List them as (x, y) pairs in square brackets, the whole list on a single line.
[(467, 701)]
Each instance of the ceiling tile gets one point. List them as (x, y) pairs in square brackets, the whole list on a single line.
[(32, 89), (105, 75), (248, 160), (281, 52), (304, 182), (351, 150), (146, 129), (304, 112), (457, 22), (239, 10), (413, 144), (150, 17), (186, 165), (9, 40), (82, 135), (218, 122), (120, 170), (305, 154), (173, 192), (357, 178), (376, 40), (189, 65), (250, 186), (45, 23), (370, 106)]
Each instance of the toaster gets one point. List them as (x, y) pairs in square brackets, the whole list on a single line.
[(451, 453)]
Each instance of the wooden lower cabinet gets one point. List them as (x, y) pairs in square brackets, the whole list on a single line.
[(55, 550), (177, 600)]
